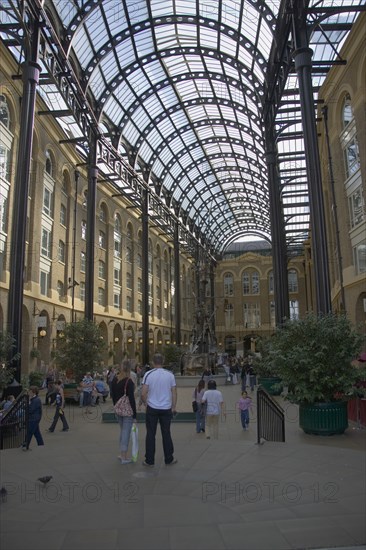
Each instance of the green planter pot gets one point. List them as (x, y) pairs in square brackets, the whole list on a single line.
[(324, 418), (269, 385)]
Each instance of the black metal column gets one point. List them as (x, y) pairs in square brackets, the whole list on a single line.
[(72, 282), (279, 255), (30, 77), (177, 302), (334, 210), (90, 229), (145, 277), (302, 57), (212, 300)]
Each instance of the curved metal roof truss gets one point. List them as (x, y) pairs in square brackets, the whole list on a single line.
[(185, 90)]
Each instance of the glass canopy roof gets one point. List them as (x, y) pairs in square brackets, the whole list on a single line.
[(179, 87)]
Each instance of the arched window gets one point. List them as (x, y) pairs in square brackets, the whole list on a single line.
[(228, 284), (49, 164), (103, 213), (129, 231), (250, 282), (347, 113)]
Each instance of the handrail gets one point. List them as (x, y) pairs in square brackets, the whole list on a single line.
[(14, 423), (270, 418)]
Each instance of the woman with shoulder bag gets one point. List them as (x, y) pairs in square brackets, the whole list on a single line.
[(198, 406), (123, 397)]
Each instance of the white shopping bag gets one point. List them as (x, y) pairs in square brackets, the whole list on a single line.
[(135, 442)]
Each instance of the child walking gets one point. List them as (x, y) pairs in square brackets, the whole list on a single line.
[(244, 404)]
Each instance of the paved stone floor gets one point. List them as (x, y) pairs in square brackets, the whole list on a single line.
[(227, 494)]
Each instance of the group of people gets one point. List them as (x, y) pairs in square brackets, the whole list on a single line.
[(158, 394), (209, 405)]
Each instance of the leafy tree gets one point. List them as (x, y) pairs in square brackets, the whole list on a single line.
[(313, 357), (81, 349), (7, 356), (172, 354)]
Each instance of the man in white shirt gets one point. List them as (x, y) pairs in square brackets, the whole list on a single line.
[(159, 393)]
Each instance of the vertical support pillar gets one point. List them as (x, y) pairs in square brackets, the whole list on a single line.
[(177, 304), (145, 277), (279, 254), (30, 76), (212, 300), (302, 57), (334, 210), (90, 229), (72, 282)]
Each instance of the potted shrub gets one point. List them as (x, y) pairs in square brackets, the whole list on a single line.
[(265, 368), (313, 357)]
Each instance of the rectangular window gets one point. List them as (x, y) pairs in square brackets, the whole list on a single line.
[(3, 208), (229, 316), (117, 300), (246, 283), (117, 247), (101, 270), (61, 251), (82, 292), (46, 244), (117, 276), (44, 283), (82, 261), (63, 215), (47, 201), (101, 296), (292, 281), (129, 304), (352, 157), (294, 309), (102, 240), (252, 317), (5, 162), (356, 207), (83, 230), (359, 257)]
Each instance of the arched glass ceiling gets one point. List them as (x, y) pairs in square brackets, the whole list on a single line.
[(183, 84)]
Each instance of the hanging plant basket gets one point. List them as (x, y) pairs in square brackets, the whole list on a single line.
[(35, 353)]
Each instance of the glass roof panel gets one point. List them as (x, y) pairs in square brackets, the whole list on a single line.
[(186, 95)]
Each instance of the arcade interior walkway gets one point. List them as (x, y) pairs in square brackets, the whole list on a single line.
[(227, 494)]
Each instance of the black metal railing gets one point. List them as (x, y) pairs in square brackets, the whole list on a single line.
[(14, 424), (270, 418)]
